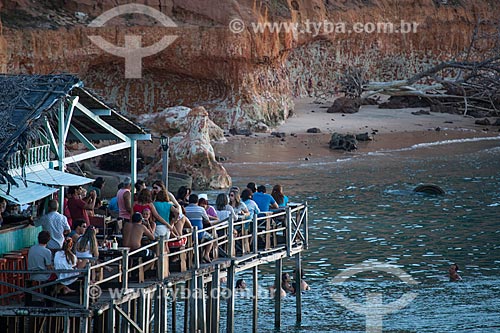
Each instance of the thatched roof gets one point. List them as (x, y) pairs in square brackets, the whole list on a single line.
[(25, 100)]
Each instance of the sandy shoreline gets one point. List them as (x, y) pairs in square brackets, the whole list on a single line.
[(396, 129)]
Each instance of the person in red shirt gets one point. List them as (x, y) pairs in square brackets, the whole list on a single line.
[(78, 207)]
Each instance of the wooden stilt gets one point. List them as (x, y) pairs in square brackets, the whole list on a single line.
[(298, 290), (255, 301), (215, 295), (174, 310), (186, 307), (111, 317), (208, 312), (193, 304), (158, 309), (202, 324), (277, 294), (230, 299)]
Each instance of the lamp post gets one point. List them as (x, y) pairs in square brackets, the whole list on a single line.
[(164, 142)]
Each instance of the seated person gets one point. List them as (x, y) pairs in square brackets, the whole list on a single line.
[(199, 218), (65, 260), (79, 227), (133, 233), (40, 258), (263, 200), (87, 248)]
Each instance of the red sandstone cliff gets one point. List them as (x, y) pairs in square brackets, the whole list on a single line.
[(239, 78)]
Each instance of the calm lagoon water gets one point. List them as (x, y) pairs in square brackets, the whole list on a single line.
[(363, 209)]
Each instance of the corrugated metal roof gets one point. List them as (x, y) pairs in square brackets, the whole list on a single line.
[(25, 194), (56, 178)]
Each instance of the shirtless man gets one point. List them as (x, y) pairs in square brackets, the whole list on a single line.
[(133, 233)]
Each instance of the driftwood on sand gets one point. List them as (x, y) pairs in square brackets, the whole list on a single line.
[(470, 82)]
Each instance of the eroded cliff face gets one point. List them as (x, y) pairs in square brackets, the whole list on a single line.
[(239, 78)]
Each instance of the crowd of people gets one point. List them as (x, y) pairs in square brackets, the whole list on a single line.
[(69, 240)]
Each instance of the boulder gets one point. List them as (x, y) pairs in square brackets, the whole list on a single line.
[(439, 108), (401, 102), (421, 112), (364, 137), (174, 120), (313, 130), (344, 105), (193, 154), (346, 142), (484, 122)]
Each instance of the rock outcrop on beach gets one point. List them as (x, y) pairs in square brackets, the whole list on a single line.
[(241, 78), (174, 120), (192, 153)]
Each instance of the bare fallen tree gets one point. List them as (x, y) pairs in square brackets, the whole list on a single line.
[(475, 85)]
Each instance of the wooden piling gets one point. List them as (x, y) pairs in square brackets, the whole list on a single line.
[(255, 301), (298, 287), (215, 295), (277, 294), (230, 299)]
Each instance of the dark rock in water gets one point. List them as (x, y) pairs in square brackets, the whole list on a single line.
[(278, 134), (485, 122), (429, 189), (313, 130), (364, 137), (437, 129), (346, 142), (497, 122), (401, 102), (421, 112), (345, 105), (438, 108)]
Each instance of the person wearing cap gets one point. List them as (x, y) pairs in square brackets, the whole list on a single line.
[(124, 200)]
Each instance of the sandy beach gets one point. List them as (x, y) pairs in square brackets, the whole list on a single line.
[(395, 128)]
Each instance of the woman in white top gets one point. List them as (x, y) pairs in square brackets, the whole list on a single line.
[(65, 259), (239, 207), (87, 247), (222, 207)]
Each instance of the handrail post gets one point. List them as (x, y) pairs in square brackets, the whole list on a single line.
[(255, 230), (86, 287), (161, 253), (230, 237), (196, 253), (84, 322), (125, 269), (288, 230), (306, 227)]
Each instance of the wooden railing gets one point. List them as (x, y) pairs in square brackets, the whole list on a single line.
[(290, 224)]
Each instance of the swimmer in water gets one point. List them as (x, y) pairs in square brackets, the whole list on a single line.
[(452, 271)]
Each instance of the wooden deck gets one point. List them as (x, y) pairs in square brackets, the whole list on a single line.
[(119, 298)]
